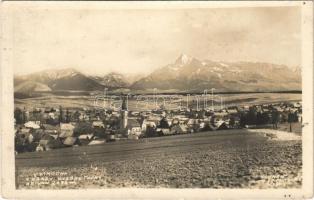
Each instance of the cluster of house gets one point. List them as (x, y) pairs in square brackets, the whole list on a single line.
[(45, 129)]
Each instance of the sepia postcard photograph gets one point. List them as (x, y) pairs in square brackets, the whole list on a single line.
[(157, 100)]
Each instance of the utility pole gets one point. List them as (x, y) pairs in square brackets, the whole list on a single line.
[(187, 101), (127, 101), (197, 101), (213, 98), (164, 103), (105, 97), (155, 96), (206, 97)]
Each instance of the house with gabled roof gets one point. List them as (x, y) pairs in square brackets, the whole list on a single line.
[(98, 124), (24, 131), (133, 127), (163, 131), (48, 142), (179, 129), (66, 130), (32, 124), (232, 111), (51, 129), (147, 123), (97, 141), (70, 141)]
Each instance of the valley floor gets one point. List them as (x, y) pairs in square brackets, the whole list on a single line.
[(147, 102)]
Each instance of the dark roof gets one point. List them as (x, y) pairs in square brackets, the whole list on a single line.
[(49, 127), (38, 134), (47, 137), (133, 123)]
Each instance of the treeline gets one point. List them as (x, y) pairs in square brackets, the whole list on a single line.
[(253, 117)]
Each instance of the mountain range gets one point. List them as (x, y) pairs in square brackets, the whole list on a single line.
[(186, 74)]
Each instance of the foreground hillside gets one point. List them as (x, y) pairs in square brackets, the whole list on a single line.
[(222, 159)]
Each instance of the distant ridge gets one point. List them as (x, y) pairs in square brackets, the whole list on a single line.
[(190, 74), (62, 79), (185, 74)]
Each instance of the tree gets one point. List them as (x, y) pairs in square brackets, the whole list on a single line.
[(252, 116), (61, 114), (18, 115), (151, 131), (275, 119), (290, 119), (266, 117), (76, 116), (232, 121), (36, 114), (83, 128), (24, 115), (295, 114), (207, 127), (212, 120), (67, 116), (52, 121), (102, 114), (114, 122), (163, 123), (284, 117), (19, 144), (243, 119), (259, 118), (99, 132)]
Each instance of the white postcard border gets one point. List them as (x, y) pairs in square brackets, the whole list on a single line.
[(7, 128)]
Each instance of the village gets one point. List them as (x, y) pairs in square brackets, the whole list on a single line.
[(44, 129)]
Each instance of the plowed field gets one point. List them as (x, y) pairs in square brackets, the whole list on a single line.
[(221, 159)]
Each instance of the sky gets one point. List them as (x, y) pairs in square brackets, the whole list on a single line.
[(98, 41)]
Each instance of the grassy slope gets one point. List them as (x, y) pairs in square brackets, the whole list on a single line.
[(215, 159)]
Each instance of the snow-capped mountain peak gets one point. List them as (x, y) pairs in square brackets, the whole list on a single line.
[(112, 79), (183, 59), (188, 73), (58, 74)]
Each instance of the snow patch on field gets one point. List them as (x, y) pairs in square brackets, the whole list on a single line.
[(276, 135), (223, 64)]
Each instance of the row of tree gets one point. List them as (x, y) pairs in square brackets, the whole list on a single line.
[(21, 117), (252, 117)]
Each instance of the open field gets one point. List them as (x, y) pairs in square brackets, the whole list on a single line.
[(147, 102), (217, 159), (296, 127)]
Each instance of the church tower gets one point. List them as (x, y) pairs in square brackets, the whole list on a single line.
[(124, 113)]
